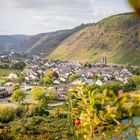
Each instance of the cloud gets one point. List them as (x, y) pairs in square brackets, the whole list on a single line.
[(35, 16), (39, 4)]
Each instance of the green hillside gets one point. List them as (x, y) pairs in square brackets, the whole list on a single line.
[(47, 42), (115, 37), (36, 44)]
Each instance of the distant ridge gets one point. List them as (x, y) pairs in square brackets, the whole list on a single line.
[(12, 42), (47, 42), (36, 44)]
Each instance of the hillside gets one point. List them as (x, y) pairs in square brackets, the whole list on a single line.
[(12, 42), (115, 37), (47, 42), (36, 44)]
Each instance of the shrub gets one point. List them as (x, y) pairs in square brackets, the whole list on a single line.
[(90, 88), (7, 114), (41, 108), (21, 110), (115, 87)]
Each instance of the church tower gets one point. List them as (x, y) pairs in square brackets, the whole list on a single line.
[(104, 60)]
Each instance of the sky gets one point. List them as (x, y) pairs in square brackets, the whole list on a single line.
[(38, 16)]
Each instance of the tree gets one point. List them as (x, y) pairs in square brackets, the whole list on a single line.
[(20, 79), (136, 79), (15, 87), (51, 74), (18, 96), (51, 91), (49, 77), (134, 71), (18, 65), (41, 108), (129, 86), (47, 80), (38, 93)]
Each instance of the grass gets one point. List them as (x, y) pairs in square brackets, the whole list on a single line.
[(6, 72), (52, 127)]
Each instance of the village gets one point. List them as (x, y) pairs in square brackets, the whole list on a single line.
[(64, 74), (70, 70)]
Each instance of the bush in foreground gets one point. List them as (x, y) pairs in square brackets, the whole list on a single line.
[(99, 115)]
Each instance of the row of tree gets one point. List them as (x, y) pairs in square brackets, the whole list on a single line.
[(17, 65)]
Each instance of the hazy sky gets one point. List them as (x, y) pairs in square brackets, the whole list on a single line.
[(36, 16)]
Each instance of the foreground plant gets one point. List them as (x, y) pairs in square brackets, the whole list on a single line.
[(98, 115), (135, 5)]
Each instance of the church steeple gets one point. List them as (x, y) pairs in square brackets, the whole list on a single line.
[(104, 60)]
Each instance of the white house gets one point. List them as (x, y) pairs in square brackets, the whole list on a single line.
[(62, 79), (12, 75), (56, 82), (99, 83)]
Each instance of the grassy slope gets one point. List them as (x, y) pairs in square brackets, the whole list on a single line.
[(115, 37)]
